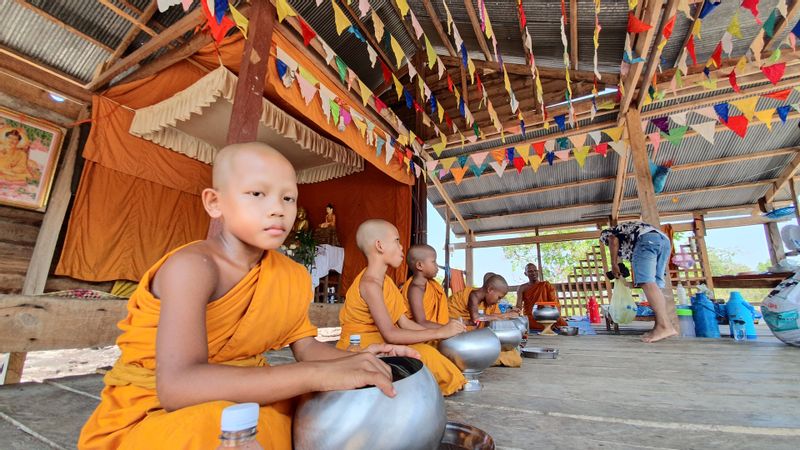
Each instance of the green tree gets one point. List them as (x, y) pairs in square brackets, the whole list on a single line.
[(558, 258)]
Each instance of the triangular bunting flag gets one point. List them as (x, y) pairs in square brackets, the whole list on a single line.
[(562, 154), (580, 154), (378, 24), (722, 111), (342, 23), (595, 135), (365, 92), (447, 162), (738, 124), (662, 123), (621, 147), (707, 111), (783, 112), (458, 173), (601, 149), (675, 135), (397, 50), (706, 130), (519, 164), (284, 10), (308, 33), (635, 25), (550, 157), (781, 96), (765, 116), (536, 161), (655, 141), (240, 20), (679, 118), (538, 147), (614, 133), (561, 121), (578, 140), (746, 106), (479, 158), (732, 81), (307, 90), (774, 73), (499, 167)]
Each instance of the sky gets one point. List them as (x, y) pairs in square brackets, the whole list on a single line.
[(748, 244)]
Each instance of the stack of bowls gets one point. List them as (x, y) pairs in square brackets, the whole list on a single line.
[(472, 352), (508, 332)]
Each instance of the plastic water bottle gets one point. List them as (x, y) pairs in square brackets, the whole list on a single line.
[(355, 343), (680, 294), (739, 330), (481, 316), (239, 427)]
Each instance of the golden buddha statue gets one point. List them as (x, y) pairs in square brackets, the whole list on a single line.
[(326, 231)]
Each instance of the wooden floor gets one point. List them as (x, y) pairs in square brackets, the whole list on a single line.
[(602, 392)]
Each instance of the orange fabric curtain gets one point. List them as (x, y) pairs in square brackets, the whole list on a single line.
[(355, 198)]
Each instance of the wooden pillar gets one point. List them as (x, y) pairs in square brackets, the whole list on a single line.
[(646, 194), (419, 213), (446, 251), (699, 227), (539, 254), (794, 200), (469, 262), (774, 243), (247, 102)]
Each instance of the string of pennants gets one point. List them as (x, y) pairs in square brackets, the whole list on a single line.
[(579, 147)]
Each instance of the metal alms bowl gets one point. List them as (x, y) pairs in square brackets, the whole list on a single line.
[(546, 313), (473, 351), (508, 332), (366, 418), (522, 323), (459, 436)]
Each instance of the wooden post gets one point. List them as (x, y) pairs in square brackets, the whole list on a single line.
[(794, 200), (539, 253), (247, 102), (774, 243), (469, 262), (446, 251), (646, 193), (699, 228), (420, 191)]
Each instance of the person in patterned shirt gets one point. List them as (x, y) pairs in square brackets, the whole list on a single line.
[(648, 250)]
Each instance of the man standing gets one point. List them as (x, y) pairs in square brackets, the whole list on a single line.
[(535, 292), (648, 249)]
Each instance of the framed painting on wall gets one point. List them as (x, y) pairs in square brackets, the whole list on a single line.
[(29, 150)]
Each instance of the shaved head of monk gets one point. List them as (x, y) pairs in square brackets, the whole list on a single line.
[(496, 287), (487, 275), (422, 259), (254, 194), (380, 242)]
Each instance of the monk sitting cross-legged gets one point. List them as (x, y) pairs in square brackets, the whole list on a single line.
[(536, 291), (467, 303), (424, 297), (204, 314), (374, 307)]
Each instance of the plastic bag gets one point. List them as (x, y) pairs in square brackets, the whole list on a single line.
[(623, 308), (781, 310)]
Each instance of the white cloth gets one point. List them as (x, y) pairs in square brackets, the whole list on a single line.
[(328, 258)]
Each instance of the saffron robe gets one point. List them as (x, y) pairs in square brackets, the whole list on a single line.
[(266, 310), (459, 308), (434, 302), (540, 292), (356, 318)]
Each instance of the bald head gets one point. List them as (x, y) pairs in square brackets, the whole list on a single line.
[(370, 231), (487, 276), (496, 282), (236, 158), (419, 253)]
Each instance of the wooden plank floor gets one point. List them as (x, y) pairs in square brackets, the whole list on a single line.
[(602, 392)]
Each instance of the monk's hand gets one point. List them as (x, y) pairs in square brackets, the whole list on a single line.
[(452, 328), (392, 350), (510, 315), (355, 371)]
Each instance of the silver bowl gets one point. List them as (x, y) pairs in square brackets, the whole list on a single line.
[(366, 418), (568, 331), (546, 313), (508, 332), (522, 323), (472, 352), (458, 436)]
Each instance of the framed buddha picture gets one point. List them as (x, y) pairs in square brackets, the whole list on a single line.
[(29, 150)]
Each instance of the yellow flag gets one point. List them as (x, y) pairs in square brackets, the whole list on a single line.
[(524, 151), (447, 162), (376, 22), (488, 24), (535, 161), (312, 80), (765, 116), (402, 139), (696, 28), (614, 133), (741, 64), (402, 5), (398, 87), (365, 92), (439, 110), (397, 49), (361, 125), (506, 81), (240, 20), (733, 28), (471, 68), (283, 9), (342, 23), (439, 147), (632, 4), (747, 106), (430, 52), (580, 154)]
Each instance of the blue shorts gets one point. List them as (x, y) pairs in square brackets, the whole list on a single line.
[(650, 257)]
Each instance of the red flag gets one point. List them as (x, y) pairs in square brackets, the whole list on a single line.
[(387, 74), (635, 25), (752, 5), (690, 49), (732, 80), (448, 120), (522, 20), (669, 27), (601, 148), (717, 55), (539, 147), (449, 83), (417, 107), (379, 105), (774, 73), (738, 124), (308, 33), (480, 84), (519, 163), (217, 30), (780, 95)]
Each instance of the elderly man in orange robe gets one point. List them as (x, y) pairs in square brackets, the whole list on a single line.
[(534, 292)]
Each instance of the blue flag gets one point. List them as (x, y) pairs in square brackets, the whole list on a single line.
[(282, 67), (722, 111), (708, 8), (409, 99), (550, 157), (783, 111), (560, 121)]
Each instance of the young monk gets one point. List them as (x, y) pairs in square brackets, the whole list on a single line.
[(204, 314), (467, 303), (374, 307), (423, 296)]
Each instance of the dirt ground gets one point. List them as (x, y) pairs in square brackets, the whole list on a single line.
[(61, 363)]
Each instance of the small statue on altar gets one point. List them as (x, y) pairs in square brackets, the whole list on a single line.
[(301, 225), (326, 231)]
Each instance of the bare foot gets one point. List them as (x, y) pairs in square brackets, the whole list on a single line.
[(658, 334), (649, 333)]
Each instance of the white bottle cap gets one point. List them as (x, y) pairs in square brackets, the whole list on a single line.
[(355, 338), (240, 417)]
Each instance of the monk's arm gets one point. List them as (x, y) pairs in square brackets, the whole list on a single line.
[(520, 296), (416, 293), (184, 377), (551, 294), (310, 349), (372, 292)]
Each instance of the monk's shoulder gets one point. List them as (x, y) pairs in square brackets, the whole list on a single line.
[(192, 266), (287, 265)]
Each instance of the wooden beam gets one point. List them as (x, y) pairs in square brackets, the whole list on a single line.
[(370, 38), (447, 252), (654, 60), (721, 223), (524, 70), (46, 77), (30, 98), (786, 174), (698, 8), (469, 262), (699, 229), (120, 12), (42, 13), (133, 31), (409, 30), (187, 23), (642, 48), (437, 24), (525, 240), (774, 242), (793, 192), (476, 28), (573, 34), (781, 25), (641, 168)]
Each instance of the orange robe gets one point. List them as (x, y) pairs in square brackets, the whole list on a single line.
[(356, 319), (433, 301), (459, 308), (266, 310), (540, 292)]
